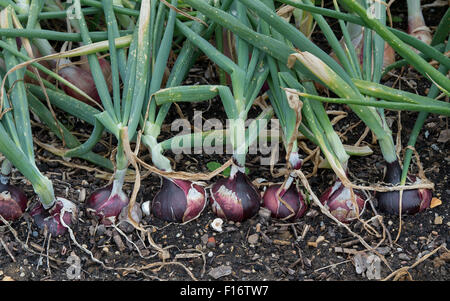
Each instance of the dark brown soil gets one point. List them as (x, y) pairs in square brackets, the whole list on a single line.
[(257, 249)]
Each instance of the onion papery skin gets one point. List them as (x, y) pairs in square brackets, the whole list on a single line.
[(83, 80), (13, 202), (51, 219), (179, 201), (235, 198), (337, 199), (418, 29), (106, 70), (413, 200), (291, 196), (106, 207)]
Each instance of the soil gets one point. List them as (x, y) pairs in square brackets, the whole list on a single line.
[(312, 248)]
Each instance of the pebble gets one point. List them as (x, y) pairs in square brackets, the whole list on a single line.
[(403, 256), (264, 213), (204, 238), (256, 256), (438, 220), (101, 229), (383, 250), (35, 234), (253, 239), (211, 242), (220, 271), (210, 254)]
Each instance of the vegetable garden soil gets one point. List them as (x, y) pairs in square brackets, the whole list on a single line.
[(313, 248)]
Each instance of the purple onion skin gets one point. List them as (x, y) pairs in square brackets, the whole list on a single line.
[(235, 199), (83, 80), (337, 199), (178, 201), (292, 196), (13, 202), (51, 219), (105, 207), (413, 200)]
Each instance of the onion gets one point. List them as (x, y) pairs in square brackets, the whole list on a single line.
[(106, 205), (106, 70), (235, 198), (291, 196), (179, 201), (337, 199), (13, 202), (413, 200), (416, 23), (83, 80), (51, 219)]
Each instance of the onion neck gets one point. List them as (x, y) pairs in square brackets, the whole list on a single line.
[(5, 172), (393, 173), (119, 179), (151, 132)]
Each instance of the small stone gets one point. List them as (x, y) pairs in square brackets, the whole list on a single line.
[(253, 239), (211, 242), (383, 250), (403, 256), (204, 238), (220, 271), (210, 254), (438, 220), (264, 213), (101, 229), (7, 278), (256, 256)]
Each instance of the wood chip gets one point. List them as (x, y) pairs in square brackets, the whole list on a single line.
[(345, 250), (312, 244), (281, 242)]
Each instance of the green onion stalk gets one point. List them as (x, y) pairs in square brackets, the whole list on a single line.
[(179, 200), (317, 127), (107, 203), (236, 198), (338, 79), (16, 144), (412, 200)]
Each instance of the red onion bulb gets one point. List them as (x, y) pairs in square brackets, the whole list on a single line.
[(235, 198), (291, 196), (413, 200), (63, 213), (83, 80), (106, 205), (13, 202), (337, 199), (179, 201)]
